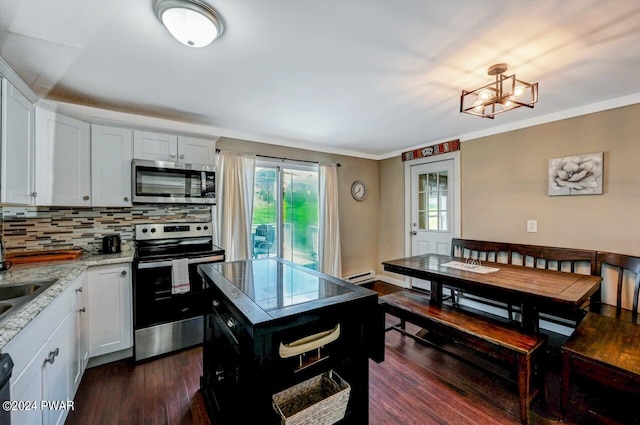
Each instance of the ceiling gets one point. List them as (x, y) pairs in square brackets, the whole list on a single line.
[(362, 77)]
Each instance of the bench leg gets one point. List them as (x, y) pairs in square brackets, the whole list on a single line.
[(565, 385), (524, 386)]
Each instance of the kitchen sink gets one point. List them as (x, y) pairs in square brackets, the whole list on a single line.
[(15, 295), (17, 291)]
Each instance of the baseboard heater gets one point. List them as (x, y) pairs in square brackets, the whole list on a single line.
[(361, 278)]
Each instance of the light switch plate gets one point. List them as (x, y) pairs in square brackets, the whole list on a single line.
[(532, 226)]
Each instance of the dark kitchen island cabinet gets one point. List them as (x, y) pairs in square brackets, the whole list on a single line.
[(259, 305)]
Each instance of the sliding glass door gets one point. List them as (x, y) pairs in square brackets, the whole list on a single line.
[(285, 212)]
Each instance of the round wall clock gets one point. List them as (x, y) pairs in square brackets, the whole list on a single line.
[(358, 190)]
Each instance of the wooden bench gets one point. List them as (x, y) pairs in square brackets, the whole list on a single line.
[(499, 341), (547, 257)]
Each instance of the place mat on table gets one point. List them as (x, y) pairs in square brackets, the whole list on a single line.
[(470, 267)]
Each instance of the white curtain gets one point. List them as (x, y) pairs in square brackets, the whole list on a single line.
[(329, 257), (236, 175)]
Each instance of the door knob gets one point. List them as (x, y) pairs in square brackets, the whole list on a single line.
[(181, 156), (413, 233)]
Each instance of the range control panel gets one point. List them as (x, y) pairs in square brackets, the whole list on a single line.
[(172, 230)]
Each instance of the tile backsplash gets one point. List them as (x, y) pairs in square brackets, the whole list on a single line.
[(42, 228)]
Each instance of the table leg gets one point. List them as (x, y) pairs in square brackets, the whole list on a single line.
[(436, 292), (530, 318)]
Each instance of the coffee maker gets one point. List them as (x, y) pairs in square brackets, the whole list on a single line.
[(4, 264)]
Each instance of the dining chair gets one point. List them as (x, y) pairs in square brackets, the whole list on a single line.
[(616, 265), (263, 240), (606, 348)]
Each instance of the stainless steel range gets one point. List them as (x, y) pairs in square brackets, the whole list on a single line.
[(169, 296)]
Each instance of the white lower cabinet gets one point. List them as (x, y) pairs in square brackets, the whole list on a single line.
[(44, 355), (110, 314), (80, 325), (91, 317), (57, 382), (28, 388)]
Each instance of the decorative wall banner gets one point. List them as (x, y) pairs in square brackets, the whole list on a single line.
[(440, 148)]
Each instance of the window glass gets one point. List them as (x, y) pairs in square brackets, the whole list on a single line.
[(289, 215)]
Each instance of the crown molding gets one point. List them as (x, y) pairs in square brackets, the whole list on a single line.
[(7, 72), (592, 108)]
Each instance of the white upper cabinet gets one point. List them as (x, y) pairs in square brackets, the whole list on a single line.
[(155, 146), (63, 160), (167, 147), (17, 157), (192, 150), (111, 155)]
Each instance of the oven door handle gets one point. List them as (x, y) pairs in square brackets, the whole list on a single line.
[(158, 264)]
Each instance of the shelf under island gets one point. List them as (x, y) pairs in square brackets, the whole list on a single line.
[(275, 325)]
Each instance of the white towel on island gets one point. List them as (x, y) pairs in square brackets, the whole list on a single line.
[(180, 276)]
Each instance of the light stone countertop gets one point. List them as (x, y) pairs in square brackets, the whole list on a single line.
[(63, 271)]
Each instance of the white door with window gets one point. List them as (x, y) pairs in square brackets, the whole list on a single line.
[(432, 219)]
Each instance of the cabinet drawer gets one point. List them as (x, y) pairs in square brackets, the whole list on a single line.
[(29, 341)]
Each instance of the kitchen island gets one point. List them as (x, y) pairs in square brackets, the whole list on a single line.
[(261, 311)]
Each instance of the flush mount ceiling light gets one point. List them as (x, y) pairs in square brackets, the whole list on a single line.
[(192, 22), (505, 94)]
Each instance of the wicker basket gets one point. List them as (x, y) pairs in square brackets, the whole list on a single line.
[(321, 400)]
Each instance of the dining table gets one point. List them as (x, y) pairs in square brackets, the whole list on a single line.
[(535, 290)]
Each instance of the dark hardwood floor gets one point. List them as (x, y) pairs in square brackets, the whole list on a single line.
[(414, 385)]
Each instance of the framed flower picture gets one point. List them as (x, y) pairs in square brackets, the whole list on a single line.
[(576, 175)]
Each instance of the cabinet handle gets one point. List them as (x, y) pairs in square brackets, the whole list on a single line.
[(34, 194), (83, 310), (173, 155), (126, 199), (215, 303), (230, 322), (52, 356), (123, 273), (182, 156), (85, 197), (220, 375), (79, 289)]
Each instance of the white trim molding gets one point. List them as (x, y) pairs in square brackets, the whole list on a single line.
[(592, 108)]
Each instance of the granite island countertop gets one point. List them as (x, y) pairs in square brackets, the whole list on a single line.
[(63, 271)]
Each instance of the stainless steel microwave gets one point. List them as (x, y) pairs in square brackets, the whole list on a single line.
[(165, 182)]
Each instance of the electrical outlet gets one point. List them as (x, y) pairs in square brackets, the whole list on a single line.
[(532, 226)]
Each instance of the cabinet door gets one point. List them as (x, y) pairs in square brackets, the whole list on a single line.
[(28, 387), (192, 150), (111, 154), (63, 160), (110, 323), (80, 325), (155, 146), (56, 373), (17, 184)]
